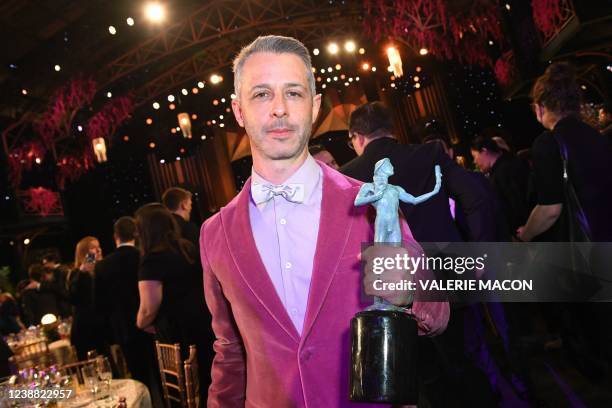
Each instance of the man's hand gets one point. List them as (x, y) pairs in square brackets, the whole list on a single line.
[(377, 282), (520, 234), (87, 267), (432, 317)]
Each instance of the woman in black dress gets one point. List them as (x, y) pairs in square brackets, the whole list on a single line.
[(170, 286), (88, 327)]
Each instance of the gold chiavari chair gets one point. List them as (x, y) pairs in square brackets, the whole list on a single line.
[(75, 369), (192, 379), (28, 350), (30, 355), (171, 371)]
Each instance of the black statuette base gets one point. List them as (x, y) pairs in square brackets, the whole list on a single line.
[(384, 356)]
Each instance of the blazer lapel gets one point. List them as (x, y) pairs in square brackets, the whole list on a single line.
[(239, 236), (334, 230)]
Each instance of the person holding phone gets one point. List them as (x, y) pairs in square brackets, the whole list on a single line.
[(88, 328)]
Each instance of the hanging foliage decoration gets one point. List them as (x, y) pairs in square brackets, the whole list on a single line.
[(42, 202), (23, 158), (56, 121), (504, 69), (549, 16), (104, 122), (449, 30), (55, 125)]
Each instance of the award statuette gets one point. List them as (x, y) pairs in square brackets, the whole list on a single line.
[(384, 336)]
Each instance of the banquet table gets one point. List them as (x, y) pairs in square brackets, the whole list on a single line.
[(136, 395)]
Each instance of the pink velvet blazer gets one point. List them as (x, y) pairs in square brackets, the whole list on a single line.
[(261, 360)]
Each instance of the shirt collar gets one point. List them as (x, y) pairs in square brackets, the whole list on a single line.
[(125, 244), (308, 174)]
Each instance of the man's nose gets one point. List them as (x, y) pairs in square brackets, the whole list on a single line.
[(279, 107)]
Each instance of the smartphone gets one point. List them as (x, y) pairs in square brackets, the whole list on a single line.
[(90, 258)]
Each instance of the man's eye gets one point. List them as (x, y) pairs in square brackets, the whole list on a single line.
[(260, 95), (294, 94)]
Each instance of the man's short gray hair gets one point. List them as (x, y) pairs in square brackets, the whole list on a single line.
[(275, 44)]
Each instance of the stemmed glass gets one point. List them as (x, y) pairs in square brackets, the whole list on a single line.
[(90, 376), (105, 372)]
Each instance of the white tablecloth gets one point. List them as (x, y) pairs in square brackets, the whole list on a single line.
[(136, 395)]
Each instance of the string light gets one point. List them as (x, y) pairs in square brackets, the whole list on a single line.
[(130, 21), (57, 68), (315, 51), (332, 48), (155, 12), (112, 30), (350, 46), (155, 105), (215, 79)]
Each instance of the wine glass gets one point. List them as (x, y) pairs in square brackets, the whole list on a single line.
[(105, 372), (90, 376)]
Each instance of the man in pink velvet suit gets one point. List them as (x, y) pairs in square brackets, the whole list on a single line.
[(281, 272)]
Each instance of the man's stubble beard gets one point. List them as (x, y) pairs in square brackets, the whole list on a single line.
[(302, 142)]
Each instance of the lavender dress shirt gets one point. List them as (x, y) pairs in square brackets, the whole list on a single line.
[(285, 235)]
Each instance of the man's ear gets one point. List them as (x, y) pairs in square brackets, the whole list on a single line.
[(316, 107), (237, 112), (361, 138)]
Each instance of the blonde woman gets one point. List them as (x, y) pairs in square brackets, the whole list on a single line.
[(88, 329)]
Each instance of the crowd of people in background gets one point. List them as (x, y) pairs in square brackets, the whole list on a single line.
[(150, 287), (145, 290)]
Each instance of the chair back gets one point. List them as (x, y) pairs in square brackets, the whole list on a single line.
[(32, 349), (171, 371), (30, 355), (192, 379), (76, 369)]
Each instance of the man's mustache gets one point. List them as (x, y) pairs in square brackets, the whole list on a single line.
[(278, 125)]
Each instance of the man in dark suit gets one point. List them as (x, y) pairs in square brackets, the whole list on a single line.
[(370, 129), (179, 202), (370, 132), (116, 297)]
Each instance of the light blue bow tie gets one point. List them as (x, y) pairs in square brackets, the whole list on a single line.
[(292, 192)]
